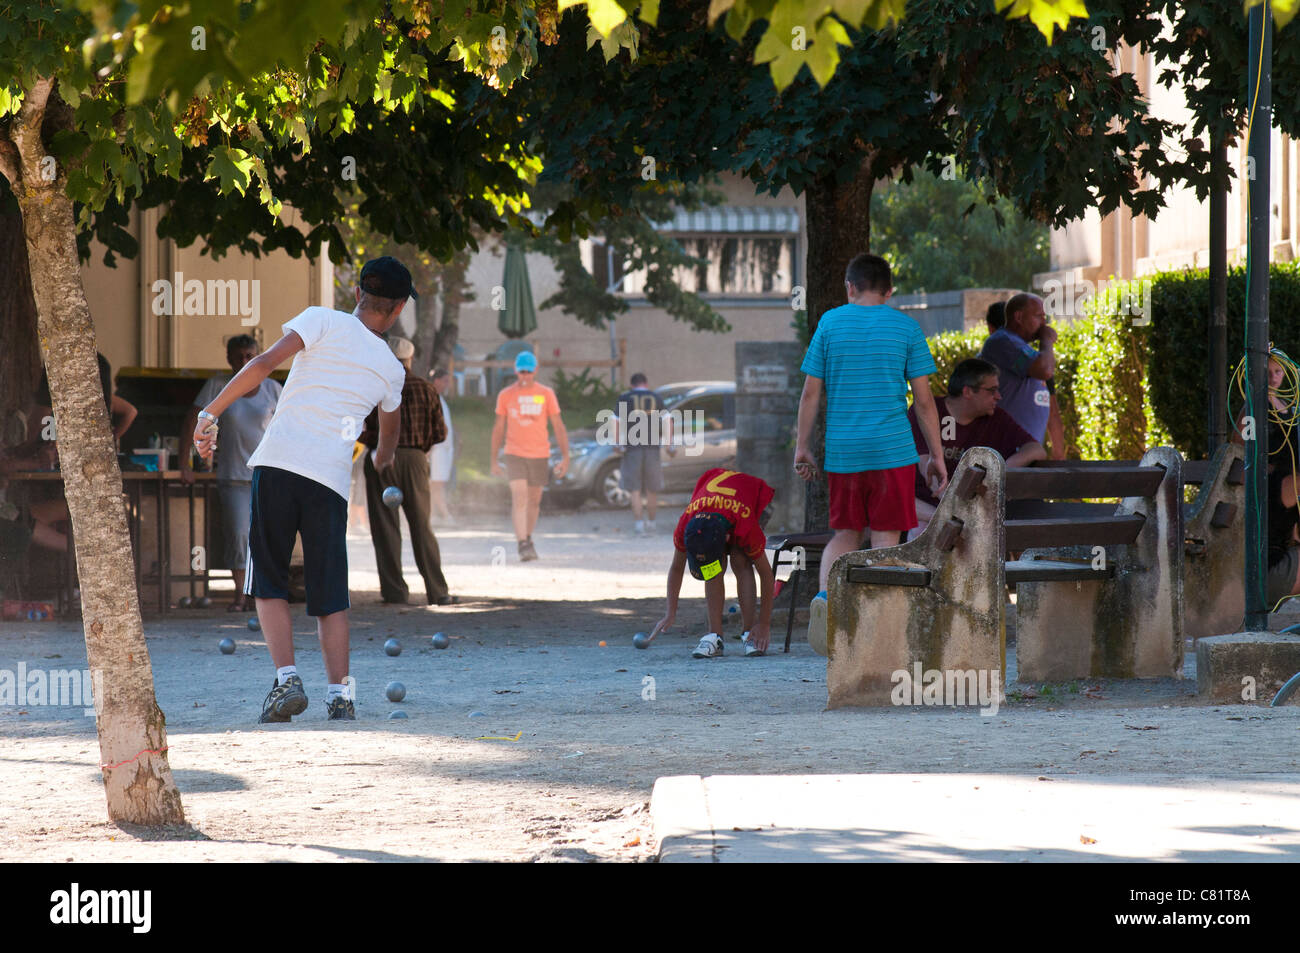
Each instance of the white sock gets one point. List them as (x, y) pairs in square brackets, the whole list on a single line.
[(335, 691), (282, 674), (744, 636)]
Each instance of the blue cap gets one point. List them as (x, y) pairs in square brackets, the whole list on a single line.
[(525, 361)]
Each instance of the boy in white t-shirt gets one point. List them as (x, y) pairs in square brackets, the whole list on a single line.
[(302, 470)]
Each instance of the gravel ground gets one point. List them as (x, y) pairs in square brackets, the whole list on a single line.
[(529, 740)]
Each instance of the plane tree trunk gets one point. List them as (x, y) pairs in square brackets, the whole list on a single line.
[(132, 732)]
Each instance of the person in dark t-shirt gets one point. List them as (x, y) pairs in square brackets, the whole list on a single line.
[(641, 427), (970, 417)]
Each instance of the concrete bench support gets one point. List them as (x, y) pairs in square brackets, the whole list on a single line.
[(955, 623), (1214, 573), (1126, 626)]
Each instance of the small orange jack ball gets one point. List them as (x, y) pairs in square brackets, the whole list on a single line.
[(602, 643)]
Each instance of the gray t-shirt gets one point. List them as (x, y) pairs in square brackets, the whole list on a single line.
[(1025, 398), (242, 425)]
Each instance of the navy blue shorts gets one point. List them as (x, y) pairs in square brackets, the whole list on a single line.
[(284, 505)]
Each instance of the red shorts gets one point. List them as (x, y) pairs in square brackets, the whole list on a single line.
[(880, 499)]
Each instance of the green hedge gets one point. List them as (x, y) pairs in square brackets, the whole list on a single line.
[(1179, 342)]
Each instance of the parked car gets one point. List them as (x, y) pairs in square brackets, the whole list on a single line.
[(709, 407)]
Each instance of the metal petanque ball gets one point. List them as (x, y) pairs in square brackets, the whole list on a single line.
[(392, 497), (395, 691), (396, 714), (185, 602), (203, 602), (641, 640), (254, 625), (440, 640), (227, 646), (393, 647)]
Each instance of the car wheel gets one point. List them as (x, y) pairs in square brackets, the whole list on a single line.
[(607, 487)]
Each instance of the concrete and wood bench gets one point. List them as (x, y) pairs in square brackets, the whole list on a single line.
[(1099, 586), (1214, 592)]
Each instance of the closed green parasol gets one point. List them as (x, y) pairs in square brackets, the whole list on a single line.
[(519, 317)]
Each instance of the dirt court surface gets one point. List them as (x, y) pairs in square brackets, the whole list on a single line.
[(527, 740)]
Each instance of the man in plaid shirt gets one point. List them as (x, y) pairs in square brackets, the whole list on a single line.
[(422, 427)]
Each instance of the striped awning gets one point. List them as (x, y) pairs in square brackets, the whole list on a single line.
[(732, 219)]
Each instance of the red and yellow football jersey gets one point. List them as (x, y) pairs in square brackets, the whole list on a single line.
[(739, 497)]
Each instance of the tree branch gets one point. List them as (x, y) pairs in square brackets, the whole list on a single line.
[(26, 132)]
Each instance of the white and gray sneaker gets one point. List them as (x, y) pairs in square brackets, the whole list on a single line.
[(639, 528), (750, 647), (710, 647)]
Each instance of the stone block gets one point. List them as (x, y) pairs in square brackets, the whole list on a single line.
[(1253, 663)]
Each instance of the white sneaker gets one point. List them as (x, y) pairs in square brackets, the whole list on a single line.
[(750, 647), (710, 647), (639, 529), (650, 526), (817, 625)]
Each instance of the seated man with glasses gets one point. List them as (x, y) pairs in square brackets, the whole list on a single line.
[(970, 417)]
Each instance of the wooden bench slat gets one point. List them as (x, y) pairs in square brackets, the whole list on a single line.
[(799, 539), (1046, 570), (1224, 514), (889, 575), (1194, 471), (971, 483), (949, 533), (1035, 483), (1077, 531), (1041, 509)]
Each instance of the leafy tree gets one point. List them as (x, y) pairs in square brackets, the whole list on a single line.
[(798, 33), (1051, 130), (939, 235)]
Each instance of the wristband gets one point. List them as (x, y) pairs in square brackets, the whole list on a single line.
[(204, 415)]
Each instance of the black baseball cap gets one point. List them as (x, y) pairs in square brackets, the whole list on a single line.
[(388, 278), (705, 538)]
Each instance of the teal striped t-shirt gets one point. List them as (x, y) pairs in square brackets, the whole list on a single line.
[(865, 355)]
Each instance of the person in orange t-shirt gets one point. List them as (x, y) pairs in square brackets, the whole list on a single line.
[(724, 523), (523, 410)]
